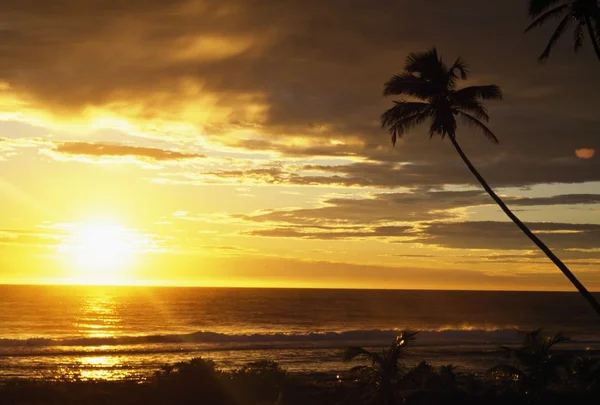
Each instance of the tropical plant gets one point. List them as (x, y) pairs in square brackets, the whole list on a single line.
[(385, 366), (189, 382), (427, 78), (426, 377), (538, 365), (584, 13), (586, 371), (260, 381)]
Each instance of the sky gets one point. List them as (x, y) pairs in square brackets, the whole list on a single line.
[(238, 143)]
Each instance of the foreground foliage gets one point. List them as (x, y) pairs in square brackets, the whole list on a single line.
[(535, 374)]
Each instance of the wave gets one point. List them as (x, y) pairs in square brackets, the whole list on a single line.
[(365, 337)]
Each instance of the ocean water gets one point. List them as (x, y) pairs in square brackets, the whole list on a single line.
[(129, 332)]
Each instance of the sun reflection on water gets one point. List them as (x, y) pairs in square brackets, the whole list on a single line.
[(99, 317), (100, 368)]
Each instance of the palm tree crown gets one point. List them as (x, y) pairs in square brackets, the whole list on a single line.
[(538, 364), (584, 13), (427, 78), (386, 365)]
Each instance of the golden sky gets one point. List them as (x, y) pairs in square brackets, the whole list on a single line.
[(237, 143)]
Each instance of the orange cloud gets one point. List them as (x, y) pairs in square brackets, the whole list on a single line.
[(119, 150), (585, 153)]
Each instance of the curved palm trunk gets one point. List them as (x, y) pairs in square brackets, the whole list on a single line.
[(582, 290), (593, 37)]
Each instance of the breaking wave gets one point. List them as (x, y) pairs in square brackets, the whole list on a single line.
[(375, 336)]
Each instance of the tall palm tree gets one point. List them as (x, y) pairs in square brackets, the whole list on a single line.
[(385, 366), (427, 78), (585, 14)]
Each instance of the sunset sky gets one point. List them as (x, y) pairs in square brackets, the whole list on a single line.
[(238, 143)]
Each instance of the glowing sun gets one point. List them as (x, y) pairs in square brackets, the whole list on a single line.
[(102, 247), (101, 253)]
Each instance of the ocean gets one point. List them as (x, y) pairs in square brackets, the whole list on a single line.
[(98, 332)]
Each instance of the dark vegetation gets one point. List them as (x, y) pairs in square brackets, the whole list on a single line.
[(583, 15), (535, 373)]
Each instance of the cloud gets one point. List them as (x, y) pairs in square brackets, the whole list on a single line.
[(435, 219), (257, 78), (585, 153), (333, 233), (405, 207), (381, 209), (29, 238), (506, 236), (386, 175), (98, 149), (450, 170), (562, 199)]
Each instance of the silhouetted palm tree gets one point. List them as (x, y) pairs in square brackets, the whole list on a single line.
[(584, 13), (538, 364), (427, 78), (385, 366)]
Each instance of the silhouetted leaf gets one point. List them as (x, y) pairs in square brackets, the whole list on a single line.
[(536, 7), (554, 13), (469, 119), (564, 24)]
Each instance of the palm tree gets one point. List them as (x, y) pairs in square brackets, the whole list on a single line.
[(538, 364), (385, 366), (427, 78), (585, 14)]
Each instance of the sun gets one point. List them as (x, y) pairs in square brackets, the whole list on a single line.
[(101, 252), (102, 247)]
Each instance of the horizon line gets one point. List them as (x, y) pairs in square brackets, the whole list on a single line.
[(277, 287)]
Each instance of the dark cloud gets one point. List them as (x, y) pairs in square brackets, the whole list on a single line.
[(380, 209), (380, 216), (453, 171), (404, 207), (340, 233), (316, 70), (565, 199), (392, 175), (506, 236), (96, 149)]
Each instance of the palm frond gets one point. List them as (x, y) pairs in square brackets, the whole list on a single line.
[(557, 338), (593, 26), (536, 7), (401, 111), (461, 66), (407, 335), (427, 65), (554, 13), (578, 39), (564, 24), (474, 122), (474, 108), (409, 84), (490, 92), (532, 338), (398, 129), (353, 352), (403, 116)]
